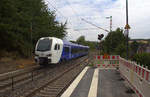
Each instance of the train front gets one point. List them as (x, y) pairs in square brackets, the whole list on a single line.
[(43, 52)]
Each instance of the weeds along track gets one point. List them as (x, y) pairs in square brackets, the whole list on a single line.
[(34, 82)]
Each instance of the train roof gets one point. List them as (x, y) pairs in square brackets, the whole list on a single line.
[(65, 42), (73, 44)]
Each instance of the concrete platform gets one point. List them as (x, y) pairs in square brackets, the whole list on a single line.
[(96, 82)]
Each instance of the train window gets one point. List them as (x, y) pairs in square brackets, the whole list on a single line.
[(72, 50), (55, 47), (66, 49), (44, 45), (58, 46)]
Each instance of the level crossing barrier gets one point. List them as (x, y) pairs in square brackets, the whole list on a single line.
[(106, 61)]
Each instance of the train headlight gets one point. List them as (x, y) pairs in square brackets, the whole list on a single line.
[(49, 55)]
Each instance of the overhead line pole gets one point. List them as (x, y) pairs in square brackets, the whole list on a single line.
[(110, 23), (110, 17), (127, 27), (127, 24)]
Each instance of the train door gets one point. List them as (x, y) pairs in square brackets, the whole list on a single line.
[(57, 52)]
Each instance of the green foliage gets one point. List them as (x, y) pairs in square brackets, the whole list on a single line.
[(81, 40), (92, 44), (16, 19), (134, 47), (114, 43), (121, 50), (142, 59)]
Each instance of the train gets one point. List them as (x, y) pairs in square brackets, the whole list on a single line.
[(52, 50)]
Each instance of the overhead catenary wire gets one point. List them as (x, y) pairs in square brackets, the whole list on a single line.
[(86, 29), (84, 19), (75, 13), (95, 25), (56, 10)]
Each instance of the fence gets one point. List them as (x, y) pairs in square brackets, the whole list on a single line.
[(103, 61), (137, 76)]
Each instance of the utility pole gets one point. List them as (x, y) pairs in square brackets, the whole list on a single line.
[(127, 27)]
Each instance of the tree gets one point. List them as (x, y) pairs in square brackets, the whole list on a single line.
[(121, 50), (16, 19), (134, 47), (113, 40), (142, 59), (81, 40), (92, 44)]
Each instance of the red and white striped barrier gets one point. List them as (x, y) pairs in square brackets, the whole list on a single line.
[(109, 57), (137, 76), (110, 61), (139, 70)]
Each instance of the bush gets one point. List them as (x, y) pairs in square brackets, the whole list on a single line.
[(142, 59)]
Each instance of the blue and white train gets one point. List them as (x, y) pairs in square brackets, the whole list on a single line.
[(51, 50)]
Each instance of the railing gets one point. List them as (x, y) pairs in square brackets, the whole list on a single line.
[(137, 76), (102, 61), (9, 80)]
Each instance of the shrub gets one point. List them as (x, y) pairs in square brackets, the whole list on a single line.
[(142, 59)]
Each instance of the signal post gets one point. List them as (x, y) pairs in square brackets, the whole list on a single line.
[(100, 36)]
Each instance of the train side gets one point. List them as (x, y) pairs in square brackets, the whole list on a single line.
[(51, 50), (71, 50)]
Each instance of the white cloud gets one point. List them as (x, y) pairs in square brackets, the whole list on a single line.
[(96, 12)]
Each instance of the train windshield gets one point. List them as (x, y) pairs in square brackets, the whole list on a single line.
[(44, 45)]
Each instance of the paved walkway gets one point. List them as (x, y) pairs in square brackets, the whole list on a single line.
[(95, 82)]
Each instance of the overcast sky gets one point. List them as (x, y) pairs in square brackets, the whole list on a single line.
[(96, 12)]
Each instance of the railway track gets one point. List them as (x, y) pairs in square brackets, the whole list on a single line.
[(7, 80), (35, 82), (56, 86)]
